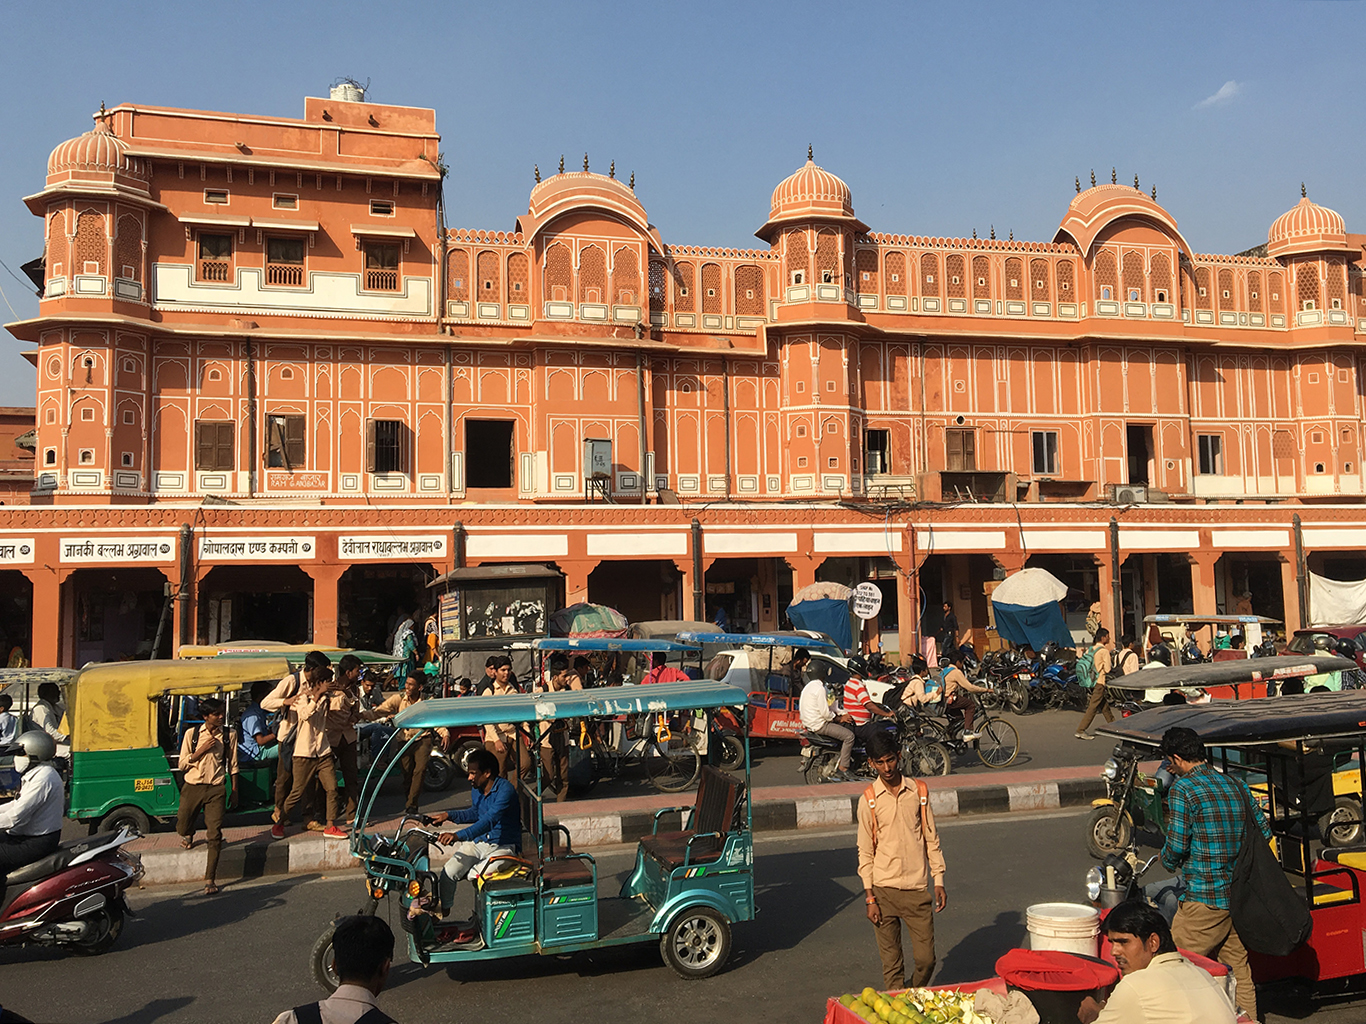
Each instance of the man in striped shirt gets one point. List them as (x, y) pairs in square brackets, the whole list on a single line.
[(1206, 830), (867, 716)]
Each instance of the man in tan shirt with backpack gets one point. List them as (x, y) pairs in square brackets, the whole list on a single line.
[(898, 860)]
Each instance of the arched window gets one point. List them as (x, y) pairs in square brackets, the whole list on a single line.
[(1307, 284), (592, 274), (519, 280), (895, 269), (1336, 290), (1160, 278), (685, 288), (1275, 284), (1225, 296), (658, 285), (828, 258), (1202, 288), (559, 273), (929, 274), (1014, 273), (865, 271), (1107, 282), (1067, 281), (625, 276), (128, 249), (711, 288), (797, 257), (749, 291), (1133, 276), (1038, 280), (955, 269), (490, 278), (458, 274), (1254, 291), (92, 247), (981, 277)]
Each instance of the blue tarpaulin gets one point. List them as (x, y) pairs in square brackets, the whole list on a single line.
[(1032, 627), (825, 615)]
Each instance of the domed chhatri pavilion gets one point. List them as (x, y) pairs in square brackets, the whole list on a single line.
[(271, 377)]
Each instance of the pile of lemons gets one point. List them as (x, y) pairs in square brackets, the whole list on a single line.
[(914, 1006)]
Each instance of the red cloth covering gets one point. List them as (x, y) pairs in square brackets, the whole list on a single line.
[(1053, 971)]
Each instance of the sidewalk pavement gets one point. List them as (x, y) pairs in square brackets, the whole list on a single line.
[(249, 851)]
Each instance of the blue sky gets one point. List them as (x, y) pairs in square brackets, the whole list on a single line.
[(942, 118)]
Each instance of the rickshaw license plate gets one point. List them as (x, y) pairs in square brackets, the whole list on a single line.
[(142, 785)]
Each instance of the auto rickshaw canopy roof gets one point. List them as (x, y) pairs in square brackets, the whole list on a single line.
[(452, 712), (1243, 723), (36, 676), (793, 639), (1168, 619), (113, 705), (1231, 672), (608, 643), (273, 649)]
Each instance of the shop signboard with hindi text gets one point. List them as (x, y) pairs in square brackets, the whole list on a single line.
[(117, 550), (279, 548), (16, 550), (390, 547)]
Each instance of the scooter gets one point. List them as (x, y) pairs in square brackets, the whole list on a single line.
[(72, 898)]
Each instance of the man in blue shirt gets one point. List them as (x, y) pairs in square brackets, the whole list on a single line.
[(494, 821), (256, 736)]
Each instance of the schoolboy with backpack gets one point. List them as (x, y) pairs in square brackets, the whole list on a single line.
[(1093, 668)]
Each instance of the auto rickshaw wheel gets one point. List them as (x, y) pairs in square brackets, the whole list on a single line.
[(106, 925), (132, 817), (1342, 825), (1107, 831), (324, 961), (732, 751), (697, 944)]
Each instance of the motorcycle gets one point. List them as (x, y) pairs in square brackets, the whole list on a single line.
[(921, 752), (1119, 878), (73, 898), (1132, 800), (1009, 675)]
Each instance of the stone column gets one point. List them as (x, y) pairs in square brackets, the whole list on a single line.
[(905, 617), (576, 573), (45, 648), (1290, 592), (326, 578), (803, 570), (1204, 597)]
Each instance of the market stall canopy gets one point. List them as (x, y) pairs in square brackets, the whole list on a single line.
[(824, 608), (1230, 673), (1026, 609), (1249, 722), (113, 706), (588, 620), (453, 712)]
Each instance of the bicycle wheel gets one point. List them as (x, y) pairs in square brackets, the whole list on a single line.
[(997, 742), (672, 766), (924, 757)]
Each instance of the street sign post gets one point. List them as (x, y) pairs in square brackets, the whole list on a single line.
[(867, 600)]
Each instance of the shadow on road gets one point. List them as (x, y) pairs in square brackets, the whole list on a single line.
[(153, 1011), (970, 958)]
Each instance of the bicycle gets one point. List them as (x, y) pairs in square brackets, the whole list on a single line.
[(997, 743), (669, 752)]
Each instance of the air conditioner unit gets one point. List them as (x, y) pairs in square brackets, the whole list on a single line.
[(1131, 494)]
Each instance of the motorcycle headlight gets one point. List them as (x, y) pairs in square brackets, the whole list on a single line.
[(1111, 770), (1093, 882)]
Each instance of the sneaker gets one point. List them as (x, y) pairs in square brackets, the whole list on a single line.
[(277, 831), (332, 832), (968, 737), (316, 826), (1083, 736)]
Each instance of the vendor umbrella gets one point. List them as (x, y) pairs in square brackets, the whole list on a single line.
[(1027, 612), (588, 620)]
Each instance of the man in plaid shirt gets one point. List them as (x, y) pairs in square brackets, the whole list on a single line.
[(1206, 830)]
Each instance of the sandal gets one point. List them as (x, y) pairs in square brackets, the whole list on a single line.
[(186, 842), (212, 889)]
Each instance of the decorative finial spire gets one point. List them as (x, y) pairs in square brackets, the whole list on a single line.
[(974, 232), (633, 181), (1303, 193), (1093, 177), (1154, 193), (1012, 234), (585, 161), (1113, 179), (810, 153), (561, 163), (538, 174), (1136, 182), (1078, 185), (993, 232), (612, 171)]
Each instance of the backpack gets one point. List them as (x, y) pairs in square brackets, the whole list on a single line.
[(1270, 916), (1086, 669), (1120, 664), (311, 1013), (871, 798)]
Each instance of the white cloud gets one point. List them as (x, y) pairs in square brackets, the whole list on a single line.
[(1226, 93)]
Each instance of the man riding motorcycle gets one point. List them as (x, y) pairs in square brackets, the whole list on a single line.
[(31, 824)]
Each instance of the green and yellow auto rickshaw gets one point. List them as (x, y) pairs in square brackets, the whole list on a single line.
[(126, 720)]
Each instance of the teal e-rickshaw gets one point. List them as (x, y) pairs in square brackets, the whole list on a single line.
[(685, 890)]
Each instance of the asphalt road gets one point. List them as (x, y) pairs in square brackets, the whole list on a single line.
[(242, 956)]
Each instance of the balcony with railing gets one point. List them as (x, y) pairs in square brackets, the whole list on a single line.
[(289, 275), (381, 280), (214, 271)]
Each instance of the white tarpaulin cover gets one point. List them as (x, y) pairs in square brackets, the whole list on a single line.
[(1030, 588), (1335, 602)]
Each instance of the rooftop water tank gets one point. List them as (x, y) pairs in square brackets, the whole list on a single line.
[(348, 92)]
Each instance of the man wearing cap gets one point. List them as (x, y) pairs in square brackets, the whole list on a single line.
[(1207, 811), (1159, 985)]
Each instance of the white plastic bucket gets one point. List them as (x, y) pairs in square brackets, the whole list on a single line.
[(1066, 927)]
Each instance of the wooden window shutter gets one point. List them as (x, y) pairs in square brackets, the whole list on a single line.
[(224, 458), (204, 444), (294, 441), (405, 439), (969, 450), (369, 446)]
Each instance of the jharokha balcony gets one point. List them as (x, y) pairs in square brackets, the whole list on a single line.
[(381, 280), (215, 271), (287, 274)]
